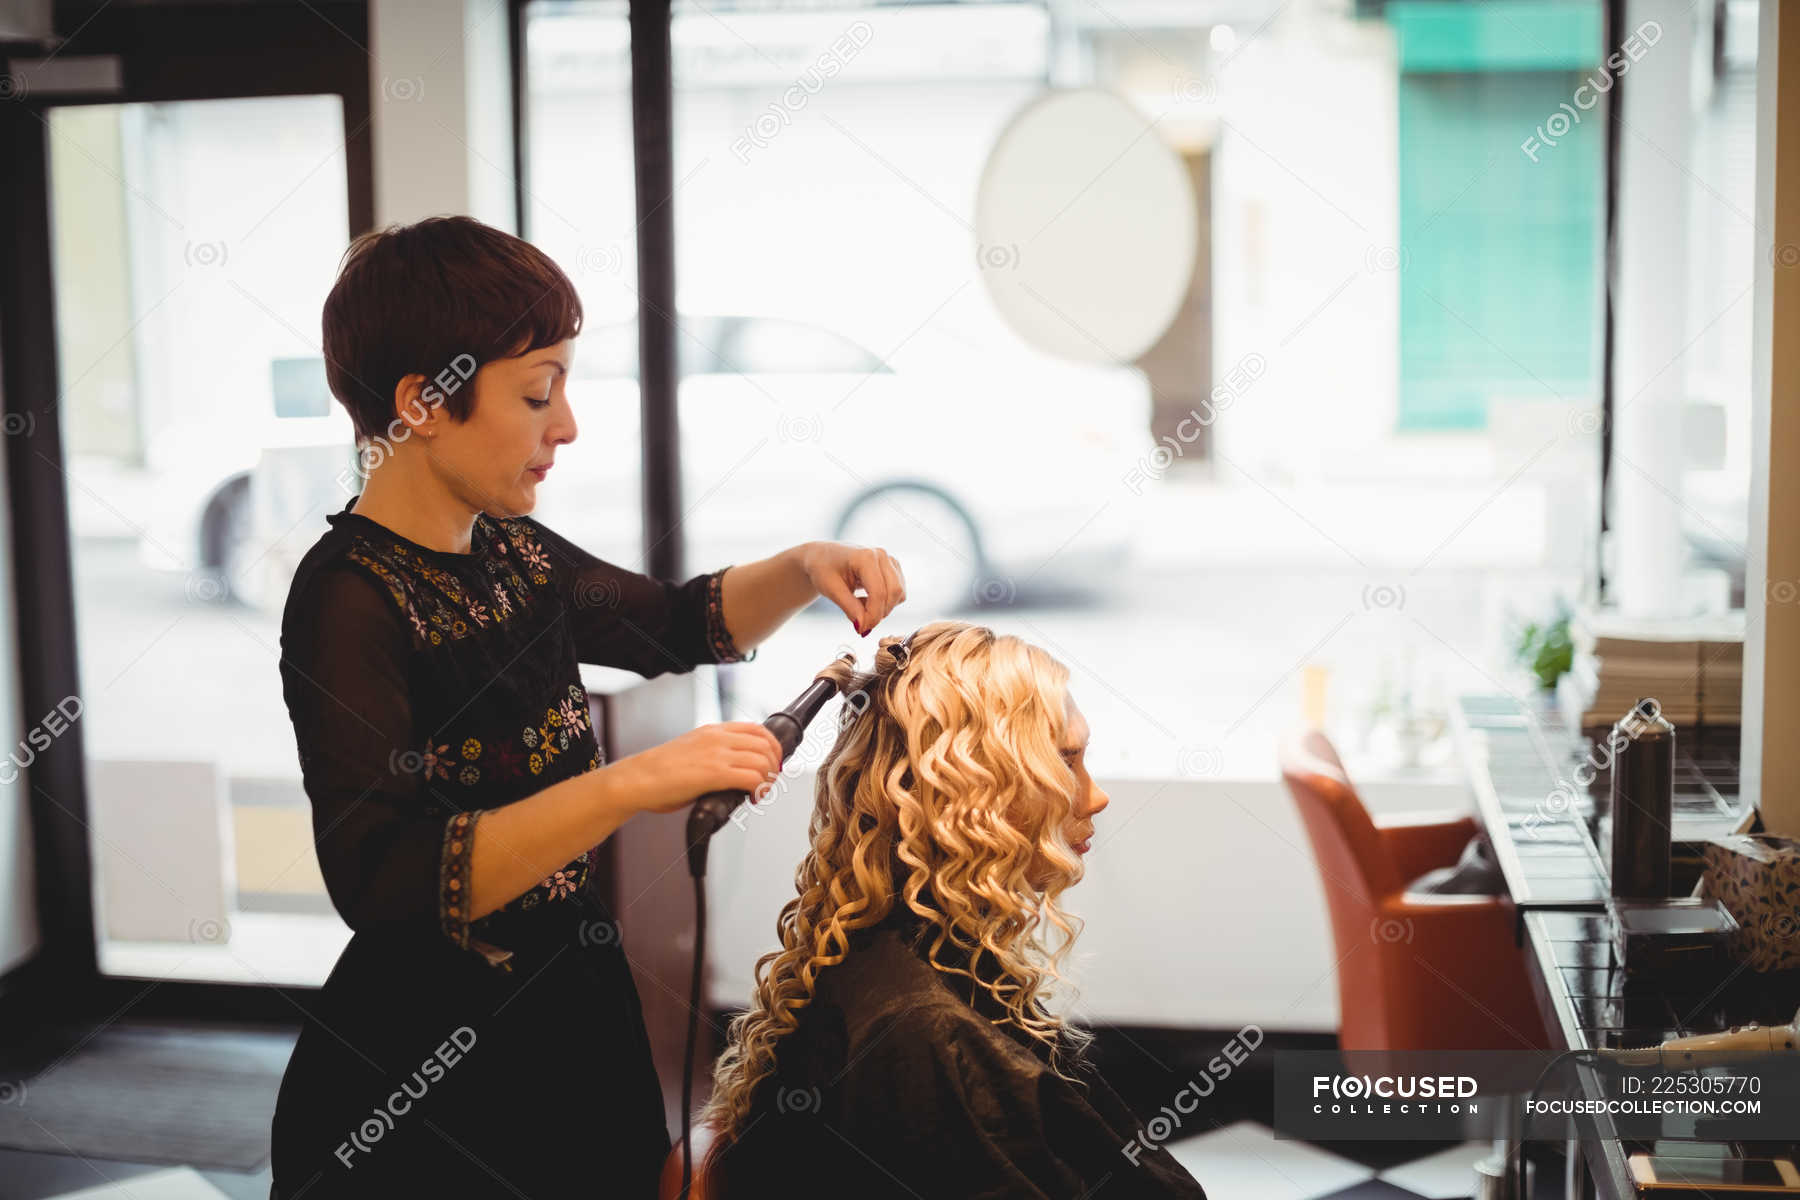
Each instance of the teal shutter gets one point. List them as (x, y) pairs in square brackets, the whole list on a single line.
[(1500, 282)]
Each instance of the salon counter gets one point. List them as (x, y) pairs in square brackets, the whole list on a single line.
[(1539, 787)]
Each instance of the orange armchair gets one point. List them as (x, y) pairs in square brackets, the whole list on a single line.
[(1415, 971), (669, 1187)]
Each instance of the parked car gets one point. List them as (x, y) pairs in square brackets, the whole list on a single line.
[(236, 504), (985, 478)]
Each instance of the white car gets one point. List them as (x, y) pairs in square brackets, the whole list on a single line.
[(986, 479), (236, 504)]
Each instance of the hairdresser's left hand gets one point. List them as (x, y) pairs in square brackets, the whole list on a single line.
[(837, 570)]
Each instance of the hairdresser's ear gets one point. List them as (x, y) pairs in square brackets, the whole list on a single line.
[(412, 414)]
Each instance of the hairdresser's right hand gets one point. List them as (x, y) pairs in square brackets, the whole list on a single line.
[(738, 755)]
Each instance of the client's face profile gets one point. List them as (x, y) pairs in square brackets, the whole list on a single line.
[(1089, 798)]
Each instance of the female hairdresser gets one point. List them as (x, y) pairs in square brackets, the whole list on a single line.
[(481, 1034)]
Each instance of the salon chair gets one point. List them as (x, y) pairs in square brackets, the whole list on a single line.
[(669, 1188), (1415, 971)]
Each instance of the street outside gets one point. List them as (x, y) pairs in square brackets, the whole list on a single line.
[(1195, 654)]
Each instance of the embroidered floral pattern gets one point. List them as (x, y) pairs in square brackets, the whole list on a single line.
[(558, 885), (561, 724), (439, 605), (453, 876), (718, 636), (501, 758), (433, 762), (535, 558)]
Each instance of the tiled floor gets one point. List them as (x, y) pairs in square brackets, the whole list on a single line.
[(1239, 1159), (1243, 1161), (1246, 1161), (26, 1176)]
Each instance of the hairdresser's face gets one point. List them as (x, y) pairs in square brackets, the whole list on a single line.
[(496, 460), (1090, 799)]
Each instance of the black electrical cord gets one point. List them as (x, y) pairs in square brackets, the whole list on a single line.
[(707, 816), (1516, 1167), (693, 1034)]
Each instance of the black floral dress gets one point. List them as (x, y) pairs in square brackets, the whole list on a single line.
[(505, 1056)]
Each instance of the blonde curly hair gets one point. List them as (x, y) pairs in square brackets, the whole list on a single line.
[(945, 788)]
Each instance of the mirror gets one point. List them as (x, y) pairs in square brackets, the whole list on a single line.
[(1086, 227)]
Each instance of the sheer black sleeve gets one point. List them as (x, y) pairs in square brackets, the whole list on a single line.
[(394, 856), (621, 618)]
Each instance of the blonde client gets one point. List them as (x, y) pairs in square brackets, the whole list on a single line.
[(899, 1043)]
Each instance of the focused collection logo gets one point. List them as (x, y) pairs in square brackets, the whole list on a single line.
[(1403, 1094)]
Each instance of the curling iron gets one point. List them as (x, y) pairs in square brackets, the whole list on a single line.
[(707, 816), (710, 812)]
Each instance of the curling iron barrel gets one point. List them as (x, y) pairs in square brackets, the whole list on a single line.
[(711, 811)]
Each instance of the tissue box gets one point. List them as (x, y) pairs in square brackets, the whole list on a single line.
[(1757, 877), (1681, 933)]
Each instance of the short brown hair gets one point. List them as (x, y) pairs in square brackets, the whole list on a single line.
[(412, 299)]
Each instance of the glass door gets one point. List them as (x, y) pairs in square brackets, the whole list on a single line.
[(194, 242)]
